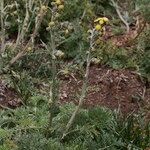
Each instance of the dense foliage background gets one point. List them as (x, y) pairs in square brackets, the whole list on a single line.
[(30, 31)]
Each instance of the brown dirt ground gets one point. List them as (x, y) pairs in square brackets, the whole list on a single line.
[(8, 97), (107, 87)]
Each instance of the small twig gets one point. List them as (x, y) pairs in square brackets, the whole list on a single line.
[(105, 75), (72, 75), (143, 94), (83, 15), (5, 107)]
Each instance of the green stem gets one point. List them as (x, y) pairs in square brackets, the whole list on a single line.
[(53, 90), (81, 100), (84, 87)]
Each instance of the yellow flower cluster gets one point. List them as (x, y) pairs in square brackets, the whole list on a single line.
[(59, 54), (29, 49), (59, 3), (50, 25), (100, 23), (44, 8)]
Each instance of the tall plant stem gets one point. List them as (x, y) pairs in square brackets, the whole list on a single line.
[(81, 100), (83, 92), (52, 98), (21, 31)]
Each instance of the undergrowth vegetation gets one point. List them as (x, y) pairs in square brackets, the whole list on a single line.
[(96, 128), (41, 41)]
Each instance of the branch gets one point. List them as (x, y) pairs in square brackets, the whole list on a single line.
[(120, 16), (31, 41), (5, 107)]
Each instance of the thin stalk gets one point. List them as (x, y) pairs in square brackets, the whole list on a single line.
[(5, 107), (81, 100), (52, 99), (21, 32), (83, 92)]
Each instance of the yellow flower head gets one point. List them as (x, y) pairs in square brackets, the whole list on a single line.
[(98, 19), (105, 19), (58, 2), (66, 31), (98, 27), (44, 8), (101, 22), (60, 7), (29, 48), (59, 54), (52, 23)]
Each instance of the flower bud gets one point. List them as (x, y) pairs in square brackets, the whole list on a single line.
[(58, 2), (59, 54), (98, 27), (60, 7), (43, 8), (51, 24)]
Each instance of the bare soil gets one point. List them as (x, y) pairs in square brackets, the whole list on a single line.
[(115, 89), (8, 97)]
